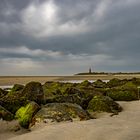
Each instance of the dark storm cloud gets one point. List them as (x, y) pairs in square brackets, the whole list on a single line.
[(75, 29)]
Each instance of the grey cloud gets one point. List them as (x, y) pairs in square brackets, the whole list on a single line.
[(113, 30)]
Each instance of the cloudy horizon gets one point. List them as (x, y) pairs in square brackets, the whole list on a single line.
[(65, 37)]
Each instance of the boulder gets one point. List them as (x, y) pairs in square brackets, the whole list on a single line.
[(73, 90), (99, 84), (12, 102), (103, 103), (33, 91), (126, 92), (2, 93), (122, 95), (85, 84), (5, 114), (114, 82), (25, 114), (57, 112), (65, 99), (17, 87), (55, 88), (72, 95), (135, 81)]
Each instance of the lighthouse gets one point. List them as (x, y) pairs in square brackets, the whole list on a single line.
[(90, 70)]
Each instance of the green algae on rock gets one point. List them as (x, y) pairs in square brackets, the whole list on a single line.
[(57, 112), (25, 114), (55, 88), (13, 102), (33, 91), (126, 92), (103, 103), (17, 87), (122, 95)]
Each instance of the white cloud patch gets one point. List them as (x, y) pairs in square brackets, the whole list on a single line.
[(42, 20)]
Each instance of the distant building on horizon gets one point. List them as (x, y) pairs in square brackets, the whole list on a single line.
[(90, 70)]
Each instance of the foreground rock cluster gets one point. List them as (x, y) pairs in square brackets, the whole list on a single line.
[(56, 101)]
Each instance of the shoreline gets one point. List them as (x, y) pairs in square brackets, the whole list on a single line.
[(11, 80)]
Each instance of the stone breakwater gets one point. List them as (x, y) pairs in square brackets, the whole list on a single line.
[(56, 101)]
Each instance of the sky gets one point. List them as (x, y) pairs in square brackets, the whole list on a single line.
[(65, 37)]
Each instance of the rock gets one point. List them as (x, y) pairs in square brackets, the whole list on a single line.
[(103, 103), (126, 92), (85, 84), (129, 86), (33, 91), (135, 81), (72, 90), (122, 95), (65, 99), (99, 84), (72, 95), (25, 114), (17, 87), (5, 114), (57, 112), (2, 93), (12, 102), (114, 82), (55, 88), (18, 97)]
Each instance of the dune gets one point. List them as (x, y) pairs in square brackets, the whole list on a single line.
[(125, 126)]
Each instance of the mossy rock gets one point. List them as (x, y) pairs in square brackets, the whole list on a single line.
[(64, 98), (55, 88), (114, 82), (126, 92), (103, 103), (13, 102), (33, 91), (135, 81), (3, 93), (122, 95), (5, 114), (73, 90), (129, 86), (85, 84), (25, 114), (17, 87), (72, 95), (57, 112), (99, 84)]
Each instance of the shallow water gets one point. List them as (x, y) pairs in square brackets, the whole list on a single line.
[(65, 81), (5, 87), (79, 81)]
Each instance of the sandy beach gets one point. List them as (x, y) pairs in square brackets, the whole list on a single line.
[(125, 126), (11, 80)]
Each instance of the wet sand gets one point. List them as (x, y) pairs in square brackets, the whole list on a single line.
[(11, 80), (125, 126)]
